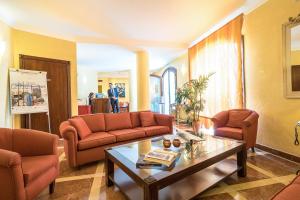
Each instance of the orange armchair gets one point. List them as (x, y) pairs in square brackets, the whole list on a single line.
[(28, 163), (239, 124)]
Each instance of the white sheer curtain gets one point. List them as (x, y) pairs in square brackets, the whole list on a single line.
[(220, 53)]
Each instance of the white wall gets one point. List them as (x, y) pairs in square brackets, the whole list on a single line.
[(5, 63), (87, 81)]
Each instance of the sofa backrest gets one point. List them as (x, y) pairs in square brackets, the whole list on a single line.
[(101, 122), (6, 139), (95, 122), (117, 121), (135, 119)]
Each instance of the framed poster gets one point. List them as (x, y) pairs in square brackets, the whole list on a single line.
[(121, 89), (28, 91)]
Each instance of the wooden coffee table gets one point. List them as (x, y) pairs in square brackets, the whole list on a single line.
[(192, 174)]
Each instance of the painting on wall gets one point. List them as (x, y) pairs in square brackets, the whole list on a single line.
[(121, 89)]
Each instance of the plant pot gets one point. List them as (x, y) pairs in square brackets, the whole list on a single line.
[(196, 127)]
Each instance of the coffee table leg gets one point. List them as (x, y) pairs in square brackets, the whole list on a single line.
[(109, 171), (242, 162), (150, 193)]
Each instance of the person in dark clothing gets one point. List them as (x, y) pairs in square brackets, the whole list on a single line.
[(113, 95), (91, 95)]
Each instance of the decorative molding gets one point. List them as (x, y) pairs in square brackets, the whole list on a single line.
[(294, 20), (279, 153)]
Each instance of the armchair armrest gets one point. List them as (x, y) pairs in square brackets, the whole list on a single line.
[(220, 119), (9, 158), (164, 120), (11, 176), (29, 142), (70, 136), (251, 119)]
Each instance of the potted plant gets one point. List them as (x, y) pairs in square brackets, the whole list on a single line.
[(191, 98)]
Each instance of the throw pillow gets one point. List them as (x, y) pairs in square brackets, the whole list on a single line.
[(81, 127), (147, 119)]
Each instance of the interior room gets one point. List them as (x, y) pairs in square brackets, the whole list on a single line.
[(168, 100)]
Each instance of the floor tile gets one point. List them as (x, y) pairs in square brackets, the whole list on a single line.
[(262, 193), (70, 190), (252, 175), (278, 166), (223, 196)]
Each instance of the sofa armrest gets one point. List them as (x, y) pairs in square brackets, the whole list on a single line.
[(70, 136), (68, 132), (11, 176), (29, 142), (220, 119), (164, 120), (251, 119)]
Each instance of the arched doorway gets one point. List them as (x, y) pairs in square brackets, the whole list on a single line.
[(169, 85)]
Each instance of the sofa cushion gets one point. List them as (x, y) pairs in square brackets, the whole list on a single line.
[(127, 134), (147, 119), (236, 118), (35, 166), (135, 119), (234, 133), (95, 122), (155, 130), (117, 121), (96, 140), (81, 127)]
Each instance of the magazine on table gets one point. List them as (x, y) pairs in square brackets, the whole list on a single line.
[(163, 157)]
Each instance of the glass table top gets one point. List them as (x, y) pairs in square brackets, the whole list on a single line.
[(200, 151)]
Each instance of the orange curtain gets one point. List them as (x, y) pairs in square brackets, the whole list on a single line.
[(221, 53)]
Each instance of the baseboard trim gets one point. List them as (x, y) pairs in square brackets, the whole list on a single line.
[(279, 153)]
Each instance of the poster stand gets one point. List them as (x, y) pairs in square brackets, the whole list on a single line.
[(29, 93)]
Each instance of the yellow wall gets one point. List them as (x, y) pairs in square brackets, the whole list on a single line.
[(295, 57), (264, 77), (38, 45), (5, 62), (105, 86), (181, 64)]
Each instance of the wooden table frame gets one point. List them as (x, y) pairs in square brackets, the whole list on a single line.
[(151, 184)]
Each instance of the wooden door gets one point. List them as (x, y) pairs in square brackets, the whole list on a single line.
[(58, 83)]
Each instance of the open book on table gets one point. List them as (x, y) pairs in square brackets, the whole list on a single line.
[(161, 156)]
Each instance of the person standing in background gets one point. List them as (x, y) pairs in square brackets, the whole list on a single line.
[(91, 96), (113, 95)]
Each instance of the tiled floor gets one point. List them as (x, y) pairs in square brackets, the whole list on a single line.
[(267, 174)]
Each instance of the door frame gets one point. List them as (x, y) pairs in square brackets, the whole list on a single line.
[(21, 65)]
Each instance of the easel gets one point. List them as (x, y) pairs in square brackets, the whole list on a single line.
[(29, 121), (29, 111)]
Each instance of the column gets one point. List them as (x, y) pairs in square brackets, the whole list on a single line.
[(133, 90), (143, 79)]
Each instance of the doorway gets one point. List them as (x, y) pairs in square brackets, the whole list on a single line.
[(59, 96), (169, 83)]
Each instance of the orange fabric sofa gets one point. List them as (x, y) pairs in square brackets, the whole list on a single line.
[(28, 163), (290, 192), (86, 136), (239, 124)]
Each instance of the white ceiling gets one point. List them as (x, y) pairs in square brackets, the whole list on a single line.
[(109, 31)]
